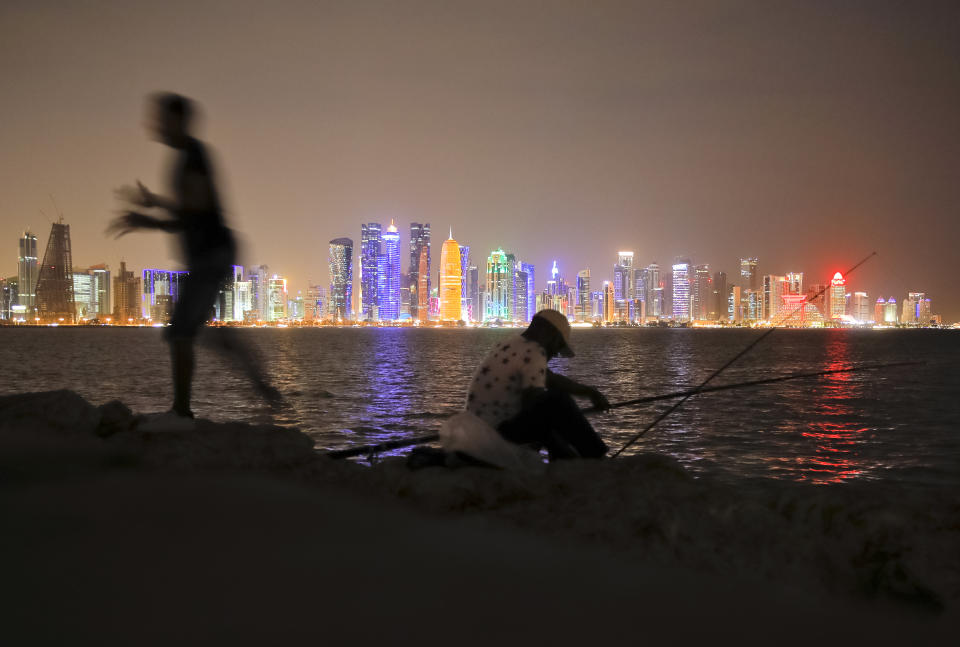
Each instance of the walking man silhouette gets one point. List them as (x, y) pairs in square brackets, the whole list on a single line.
[(194, 213)]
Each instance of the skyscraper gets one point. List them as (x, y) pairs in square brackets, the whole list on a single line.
[(419, 273), (531, 290), (499, 287), (890, 312), (314, 303), (388, 287), (609, 302), (464, 264), (451, 280), (878, 310), (54, 296), (654, 286), (341, 279), (8, 300), (681, 291), (702, 287), (101, 290), (27, 274), (837, 301), (83, 294), (774, 287), (126, 296), (473, 308), (258, 276), (583, 309), (749, 274), (719, 306), (370, 251), (162, 290), (277, 297), (860, 307), (623, 276)]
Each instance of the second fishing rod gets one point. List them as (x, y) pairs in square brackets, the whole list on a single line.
[(732, 360)]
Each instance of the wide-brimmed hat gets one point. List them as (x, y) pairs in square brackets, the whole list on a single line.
[(557, 319)]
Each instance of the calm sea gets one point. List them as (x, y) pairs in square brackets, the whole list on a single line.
[(356, 386)]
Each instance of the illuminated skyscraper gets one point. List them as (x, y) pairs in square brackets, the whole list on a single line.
[(837, 301), (389, 276), (473, 307), (341, 279), (451, 280), (161, 291), (774, 287), (890, 312), (654, 286), (530, 302), (609, 302), (314, 304), (583, 310), (860, 307), (749, 274), (623, 285), (8, 300), (258, 276), (83, 294), (681, 291), (370, 251), (101, 290), (795, 282), (419, 274), (499, 287), (27, 274), (879, 309), (464, 265), (277, 298), (702, 288)]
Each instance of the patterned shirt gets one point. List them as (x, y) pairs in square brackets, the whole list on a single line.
[(513, 366)]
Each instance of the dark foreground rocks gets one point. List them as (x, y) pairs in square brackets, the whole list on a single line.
[(124, 529)]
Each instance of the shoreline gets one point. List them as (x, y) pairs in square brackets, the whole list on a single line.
[(223, 529)]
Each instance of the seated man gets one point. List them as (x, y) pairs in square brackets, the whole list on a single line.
[(515, 393)]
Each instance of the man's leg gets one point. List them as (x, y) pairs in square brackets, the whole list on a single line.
[(181, 358), (556, 422)]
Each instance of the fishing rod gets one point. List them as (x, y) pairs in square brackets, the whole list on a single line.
[(720, 370), (388, 445)]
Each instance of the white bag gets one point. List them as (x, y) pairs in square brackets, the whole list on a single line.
[(467, 433)]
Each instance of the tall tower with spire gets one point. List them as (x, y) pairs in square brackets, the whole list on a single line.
[(450, 280)]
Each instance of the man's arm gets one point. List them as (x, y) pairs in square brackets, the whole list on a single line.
[(563, 383)]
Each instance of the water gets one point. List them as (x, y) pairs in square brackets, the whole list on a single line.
[(356, 386)]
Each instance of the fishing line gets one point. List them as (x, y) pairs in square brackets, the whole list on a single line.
[(720, 370)]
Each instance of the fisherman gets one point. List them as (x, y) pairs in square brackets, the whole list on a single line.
[(195, 214), (515, 393)]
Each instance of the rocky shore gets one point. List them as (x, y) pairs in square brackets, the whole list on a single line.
[(128, 529)]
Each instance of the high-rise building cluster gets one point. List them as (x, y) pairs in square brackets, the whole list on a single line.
[(497, 288)]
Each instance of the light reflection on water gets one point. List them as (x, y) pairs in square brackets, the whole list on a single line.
[(357, 386)]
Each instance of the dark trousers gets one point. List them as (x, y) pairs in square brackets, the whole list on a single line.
[(554, 421)]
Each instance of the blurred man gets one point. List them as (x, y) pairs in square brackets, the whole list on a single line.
[(514, 392), (193, 213)]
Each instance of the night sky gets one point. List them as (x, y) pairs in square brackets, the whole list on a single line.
[(805, 133)]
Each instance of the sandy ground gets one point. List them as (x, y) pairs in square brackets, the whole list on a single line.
[(234, 534)]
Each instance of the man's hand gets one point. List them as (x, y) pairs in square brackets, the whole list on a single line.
[(130, 221), (137, 195), (598, 400)]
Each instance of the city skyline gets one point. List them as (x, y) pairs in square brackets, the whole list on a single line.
[(677, 130), (692, 292)]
